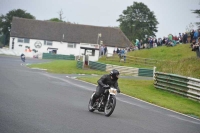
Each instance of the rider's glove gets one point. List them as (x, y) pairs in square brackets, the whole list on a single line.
[(106, 86), (118, 91)]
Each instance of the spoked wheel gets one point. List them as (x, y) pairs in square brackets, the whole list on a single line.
[(110, 106), (90, 108)]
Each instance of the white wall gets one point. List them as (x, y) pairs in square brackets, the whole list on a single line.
[(96, 57), (61, 46), (111, 49)]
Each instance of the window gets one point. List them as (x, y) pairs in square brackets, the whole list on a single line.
[(90, 52), (50, 43), (20, 40), (26, 40), (23, 40), (71, 45)]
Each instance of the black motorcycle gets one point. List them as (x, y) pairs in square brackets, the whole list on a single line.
[(102, 104), (23, 57)]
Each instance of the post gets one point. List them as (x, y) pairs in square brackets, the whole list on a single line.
[(99, 35), (154, 70)]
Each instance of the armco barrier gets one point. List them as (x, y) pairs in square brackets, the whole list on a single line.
[(79, 64), (97, 66), (122, 69), (186, 86), (57, 56), (145, 72)]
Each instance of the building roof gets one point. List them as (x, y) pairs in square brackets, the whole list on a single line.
[(65, 32)]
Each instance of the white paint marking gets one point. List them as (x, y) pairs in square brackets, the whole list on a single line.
[(39, 69), (183, 119)]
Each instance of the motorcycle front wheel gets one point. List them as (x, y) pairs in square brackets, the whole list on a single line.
[(90, 108), (110, 106)]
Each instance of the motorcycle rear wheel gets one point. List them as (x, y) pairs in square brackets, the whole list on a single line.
[(110, 106)]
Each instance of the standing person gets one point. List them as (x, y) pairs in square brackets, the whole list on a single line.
[(185, 38), (105, 82), (105, 50), (196, 34), (151, 43), (118, 50), (191, 36), (136, 43), (141, 44), (102, 50)]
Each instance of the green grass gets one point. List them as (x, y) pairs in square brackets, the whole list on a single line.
[(175, 53), (176, 60), (144, 89), (116, 62), (64, 67)]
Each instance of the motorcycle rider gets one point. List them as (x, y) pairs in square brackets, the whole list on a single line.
[(22, 57), (105, 82)]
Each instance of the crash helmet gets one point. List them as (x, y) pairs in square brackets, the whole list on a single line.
[(114, 73)]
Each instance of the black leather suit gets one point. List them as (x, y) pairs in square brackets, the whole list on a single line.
[(106, 80)]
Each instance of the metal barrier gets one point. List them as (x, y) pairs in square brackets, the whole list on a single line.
[(97, 66), (79, 64), (132, 60), (58, 56), (145, 72), (186, 86), (122, 69)]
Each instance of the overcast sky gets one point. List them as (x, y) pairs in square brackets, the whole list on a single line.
[(173, 15)]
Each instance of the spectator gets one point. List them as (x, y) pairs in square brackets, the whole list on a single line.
[(105, 50), (196, 48), (191, 36), (141, 44), (151, 43), (185, 38), (102, 50), (163, 41), (136, 44), (196, 35)]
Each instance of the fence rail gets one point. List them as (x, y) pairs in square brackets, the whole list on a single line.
[(58, 56), (122, 69), (132, 59), (186, 86)]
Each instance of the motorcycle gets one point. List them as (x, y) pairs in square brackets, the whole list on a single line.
[(102, 104), (23, 57)]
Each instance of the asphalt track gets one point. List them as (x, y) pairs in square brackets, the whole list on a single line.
[(34, 101)]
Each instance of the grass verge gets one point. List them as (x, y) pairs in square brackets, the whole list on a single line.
[(64, 67)]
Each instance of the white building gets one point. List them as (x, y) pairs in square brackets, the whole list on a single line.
[(34, 37)]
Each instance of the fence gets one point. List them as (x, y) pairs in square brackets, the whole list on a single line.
[(79, 64), (122, 69), (57, 56), (132, 60), (97, 66), (186, 86)]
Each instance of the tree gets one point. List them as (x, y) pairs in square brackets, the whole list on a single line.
[(6, 20), (137, 21), (198, 16), (56, 20), (60, 15)]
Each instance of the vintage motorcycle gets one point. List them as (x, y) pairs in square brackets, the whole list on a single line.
[(103, 105)]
